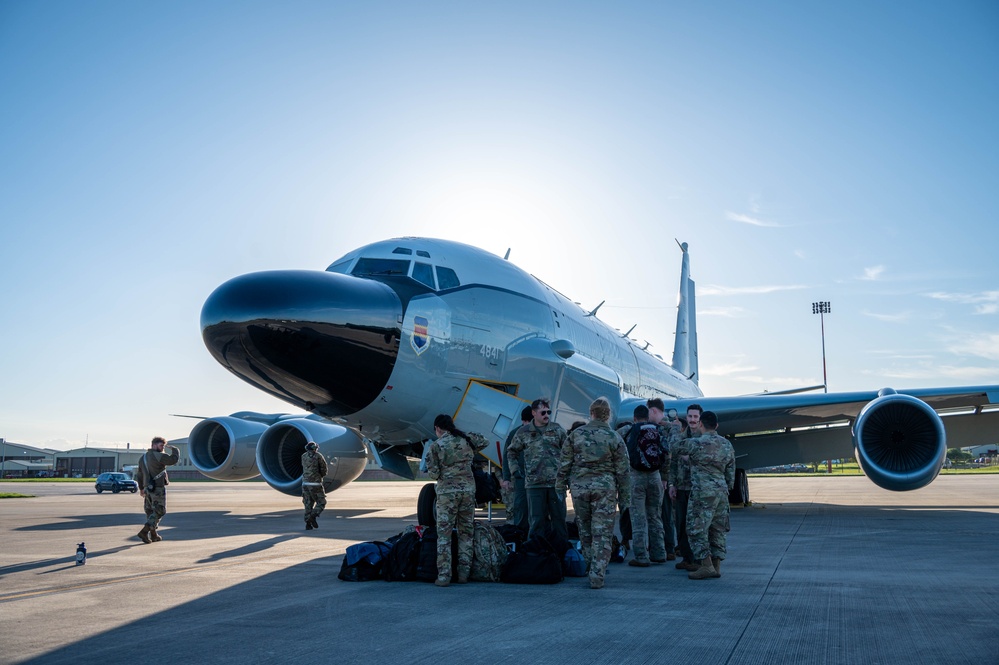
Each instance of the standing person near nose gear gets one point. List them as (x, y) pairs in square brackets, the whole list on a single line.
[(152, 478), (314, 469)]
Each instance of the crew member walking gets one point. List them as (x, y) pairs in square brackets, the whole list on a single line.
[(152, 478), (314, 469)]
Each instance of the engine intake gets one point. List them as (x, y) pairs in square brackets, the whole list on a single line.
[(900, 441), (224, 448), (279, 453)]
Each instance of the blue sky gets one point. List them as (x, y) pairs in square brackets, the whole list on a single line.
[(806, 151)]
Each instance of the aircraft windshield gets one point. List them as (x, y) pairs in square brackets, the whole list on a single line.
[(381, 267)]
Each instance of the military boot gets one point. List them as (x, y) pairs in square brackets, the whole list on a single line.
[(315, 523), (308, 524), (144, 535), (442, 581), (153, 536), (705, 571), (716, 562)]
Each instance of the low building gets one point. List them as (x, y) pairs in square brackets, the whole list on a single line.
[(91, 461)]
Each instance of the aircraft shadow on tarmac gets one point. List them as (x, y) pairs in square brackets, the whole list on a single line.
[(815, 581), (190, 526)]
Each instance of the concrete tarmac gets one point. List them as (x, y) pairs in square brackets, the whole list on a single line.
[(820, 570)]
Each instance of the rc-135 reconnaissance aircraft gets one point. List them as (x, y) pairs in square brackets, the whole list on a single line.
[(396, 332)]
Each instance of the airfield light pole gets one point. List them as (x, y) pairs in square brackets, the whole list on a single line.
[(3, 457), (822, 308)]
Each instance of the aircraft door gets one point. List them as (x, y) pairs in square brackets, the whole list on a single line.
[(490, 412)]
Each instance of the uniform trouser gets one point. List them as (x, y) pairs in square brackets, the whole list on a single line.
[(154, 503), (595, 511), (707, 524), (646, 516), (669, 538), (545, 512), (516, 511), (680, 508), (314, 500), (455, 510)]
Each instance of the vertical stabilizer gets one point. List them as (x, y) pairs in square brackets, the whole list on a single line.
[(685, 342)]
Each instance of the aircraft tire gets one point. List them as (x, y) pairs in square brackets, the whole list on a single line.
[(426, 505), (740, 493)]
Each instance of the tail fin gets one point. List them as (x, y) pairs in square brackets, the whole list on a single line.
[(685, 342)]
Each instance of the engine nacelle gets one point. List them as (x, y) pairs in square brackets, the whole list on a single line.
[(279, 453), (900, 441), (225, 448)]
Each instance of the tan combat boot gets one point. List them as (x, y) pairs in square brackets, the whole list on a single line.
[(716, 562), (153, 536), (704, 572), (144, 535)]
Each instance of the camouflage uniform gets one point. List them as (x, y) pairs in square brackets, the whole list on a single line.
[(314, 469), (515, 498), (647, 533), (679, 477), (540, 447), (152, 478), (666, 432), (449, 462), (593, 462), (712, 470)]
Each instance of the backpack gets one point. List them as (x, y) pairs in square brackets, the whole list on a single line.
[(573, 563), (400, 564), (645, 449), (364, 561), (534, 562), (489, 553)]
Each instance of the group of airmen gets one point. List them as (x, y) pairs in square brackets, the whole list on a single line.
[(541, 461), (593, 461)]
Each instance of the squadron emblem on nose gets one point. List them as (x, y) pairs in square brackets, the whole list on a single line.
[(421, 338)]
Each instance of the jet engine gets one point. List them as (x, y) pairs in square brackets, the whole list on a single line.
[(279, 453), (224, 448), (900, 441)]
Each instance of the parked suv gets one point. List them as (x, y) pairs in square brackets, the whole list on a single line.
[(116, 482)]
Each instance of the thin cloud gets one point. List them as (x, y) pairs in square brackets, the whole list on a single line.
[(717, 290), (889, 318), (986, 302), (728, 312), (983, 345), (873, 273), (800, 253), (727, 369), (936, 371), (753, 221)]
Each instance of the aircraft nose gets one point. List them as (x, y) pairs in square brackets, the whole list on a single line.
[(322, 341)]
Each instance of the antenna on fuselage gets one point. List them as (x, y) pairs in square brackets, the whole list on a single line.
[(629, 330), (594, 312), (506, 257)]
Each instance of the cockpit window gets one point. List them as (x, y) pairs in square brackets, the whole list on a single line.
[(424, 273), (380, 267), (339, 267), (447, 278), (424, 253), (402, 250)]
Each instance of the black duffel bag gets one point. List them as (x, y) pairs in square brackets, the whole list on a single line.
[(534, 562)]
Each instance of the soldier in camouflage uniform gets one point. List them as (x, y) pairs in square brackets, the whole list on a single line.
[(314, 469), (540, 441), (668, 428), (515, 493), (449, 462), (712, 476), (152, 478), (648, 538), (593, 463), (679, 482)]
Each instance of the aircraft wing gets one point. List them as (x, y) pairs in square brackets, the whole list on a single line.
[(900, 437)]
